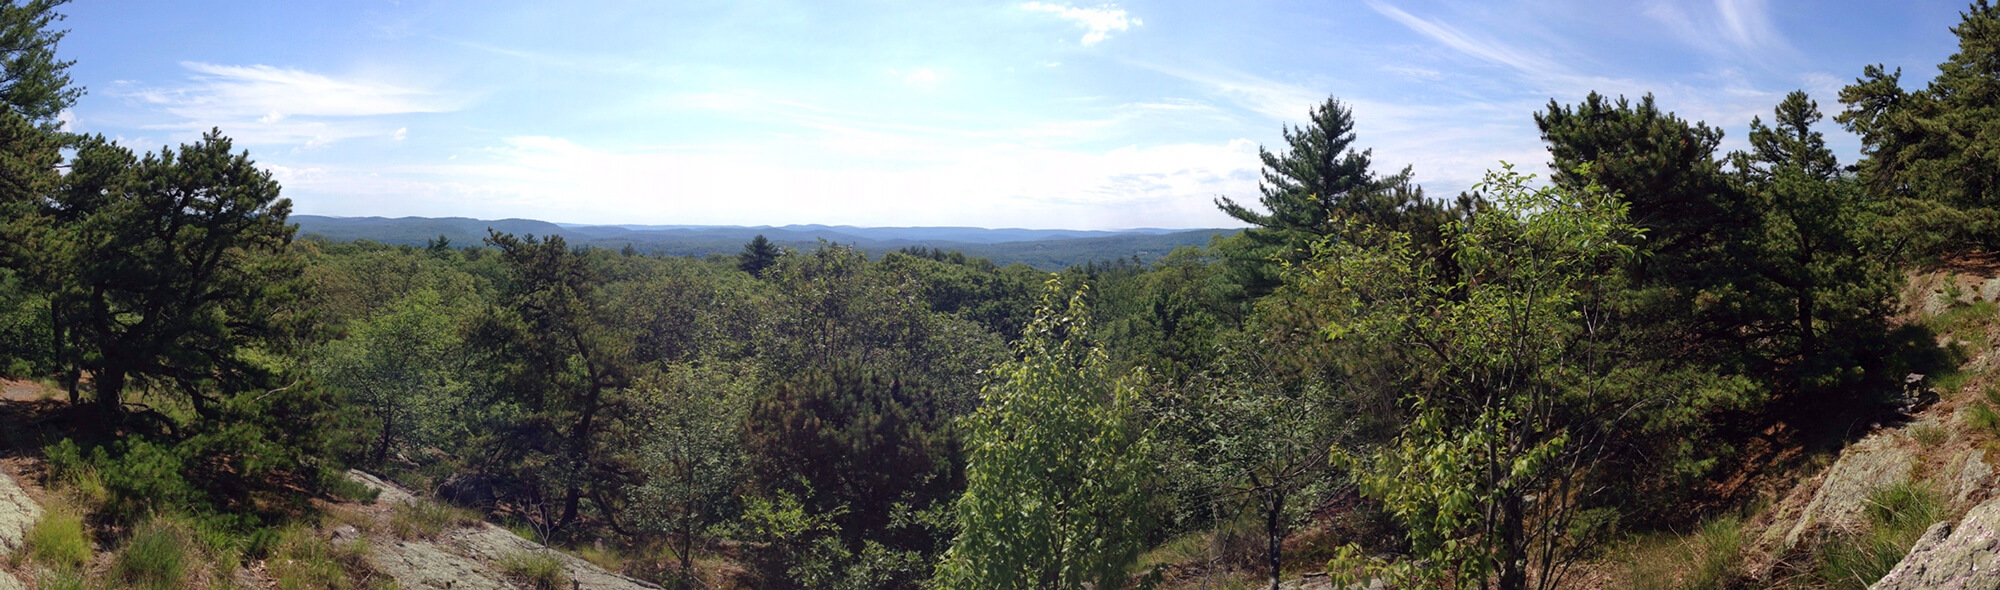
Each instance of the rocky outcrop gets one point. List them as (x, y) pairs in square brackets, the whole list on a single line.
[(17, 513), (468, 558), (1961, 556), (1881, 460)]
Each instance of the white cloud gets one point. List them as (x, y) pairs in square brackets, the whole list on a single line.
[(262, 105), (400, 134), (1099, 22), (1000, 185)]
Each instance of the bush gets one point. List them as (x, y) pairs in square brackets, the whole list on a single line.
[(58, 540), (156, 556), (540, 570)]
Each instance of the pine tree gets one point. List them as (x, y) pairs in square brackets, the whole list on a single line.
[(169, 267), (1932, 154), (1310, 189), (757, 255)]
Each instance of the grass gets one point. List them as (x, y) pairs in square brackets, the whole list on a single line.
[(1710, 557), (1928, 434), (540, 570), (64, 580), (156, 556), (427, 519), (303, 560), (58, 540), (1984, 415), (1897, 516)]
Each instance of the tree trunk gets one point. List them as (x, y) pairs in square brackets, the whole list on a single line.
[(1513, 550), (388, 423), (110, 384), (1275, 534)]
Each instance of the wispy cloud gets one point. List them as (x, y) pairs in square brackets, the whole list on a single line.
[(1099, 22), (260, 104), (1483, 48), (1739, 30)]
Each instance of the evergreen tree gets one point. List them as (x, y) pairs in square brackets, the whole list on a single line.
[(1829, 294), (1932, 153), (1310, 188), (171, 267), (566, 361), (757, 255), (33, 83)]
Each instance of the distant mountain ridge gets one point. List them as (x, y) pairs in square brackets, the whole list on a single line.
[(1041, 248)]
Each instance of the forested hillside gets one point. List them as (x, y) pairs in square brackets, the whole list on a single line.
[(1043, 249), (1618, 376)]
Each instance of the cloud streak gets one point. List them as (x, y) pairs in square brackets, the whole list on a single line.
[(261, 104), (1098, 22)]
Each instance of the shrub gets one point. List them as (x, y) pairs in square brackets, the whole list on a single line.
[(156, 556), (540, 570), (58, 540)]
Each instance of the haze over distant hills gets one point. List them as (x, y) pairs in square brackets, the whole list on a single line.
[(1042, 248)]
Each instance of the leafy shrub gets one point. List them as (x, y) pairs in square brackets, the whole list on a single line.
[(156, 556), (540, 570), (58, 540)]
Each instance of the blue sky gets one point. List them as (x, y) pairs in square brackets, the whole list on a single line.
[(997, 114)]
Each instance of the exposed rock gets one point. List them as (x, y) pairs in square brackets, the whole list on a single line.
[(387, 494), (423, 564), (1878, 461), (1962, 557), (17, 513), (468, 558), (1971, 479)]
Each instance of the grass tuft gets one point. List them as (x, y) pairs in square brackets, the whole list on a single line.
[(58, 540), (427, 519), (540, 570), (156, 557), (1897, 516), (302, 560)]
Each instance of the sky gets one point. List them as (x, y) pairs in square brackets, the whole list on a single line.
[(1043, 114)]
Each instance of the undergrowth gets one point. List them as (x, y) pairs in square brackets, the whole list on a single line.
[(1897, 516)]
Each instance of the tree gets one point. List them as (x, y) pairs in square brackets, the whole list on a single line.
[(1054, 467), (692, 454), (1831, 294), (566, 362), (169, 268), (1515, 392), (408, 366), (758, 255), (33, 83), (1308, 190), (1932, 153)]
